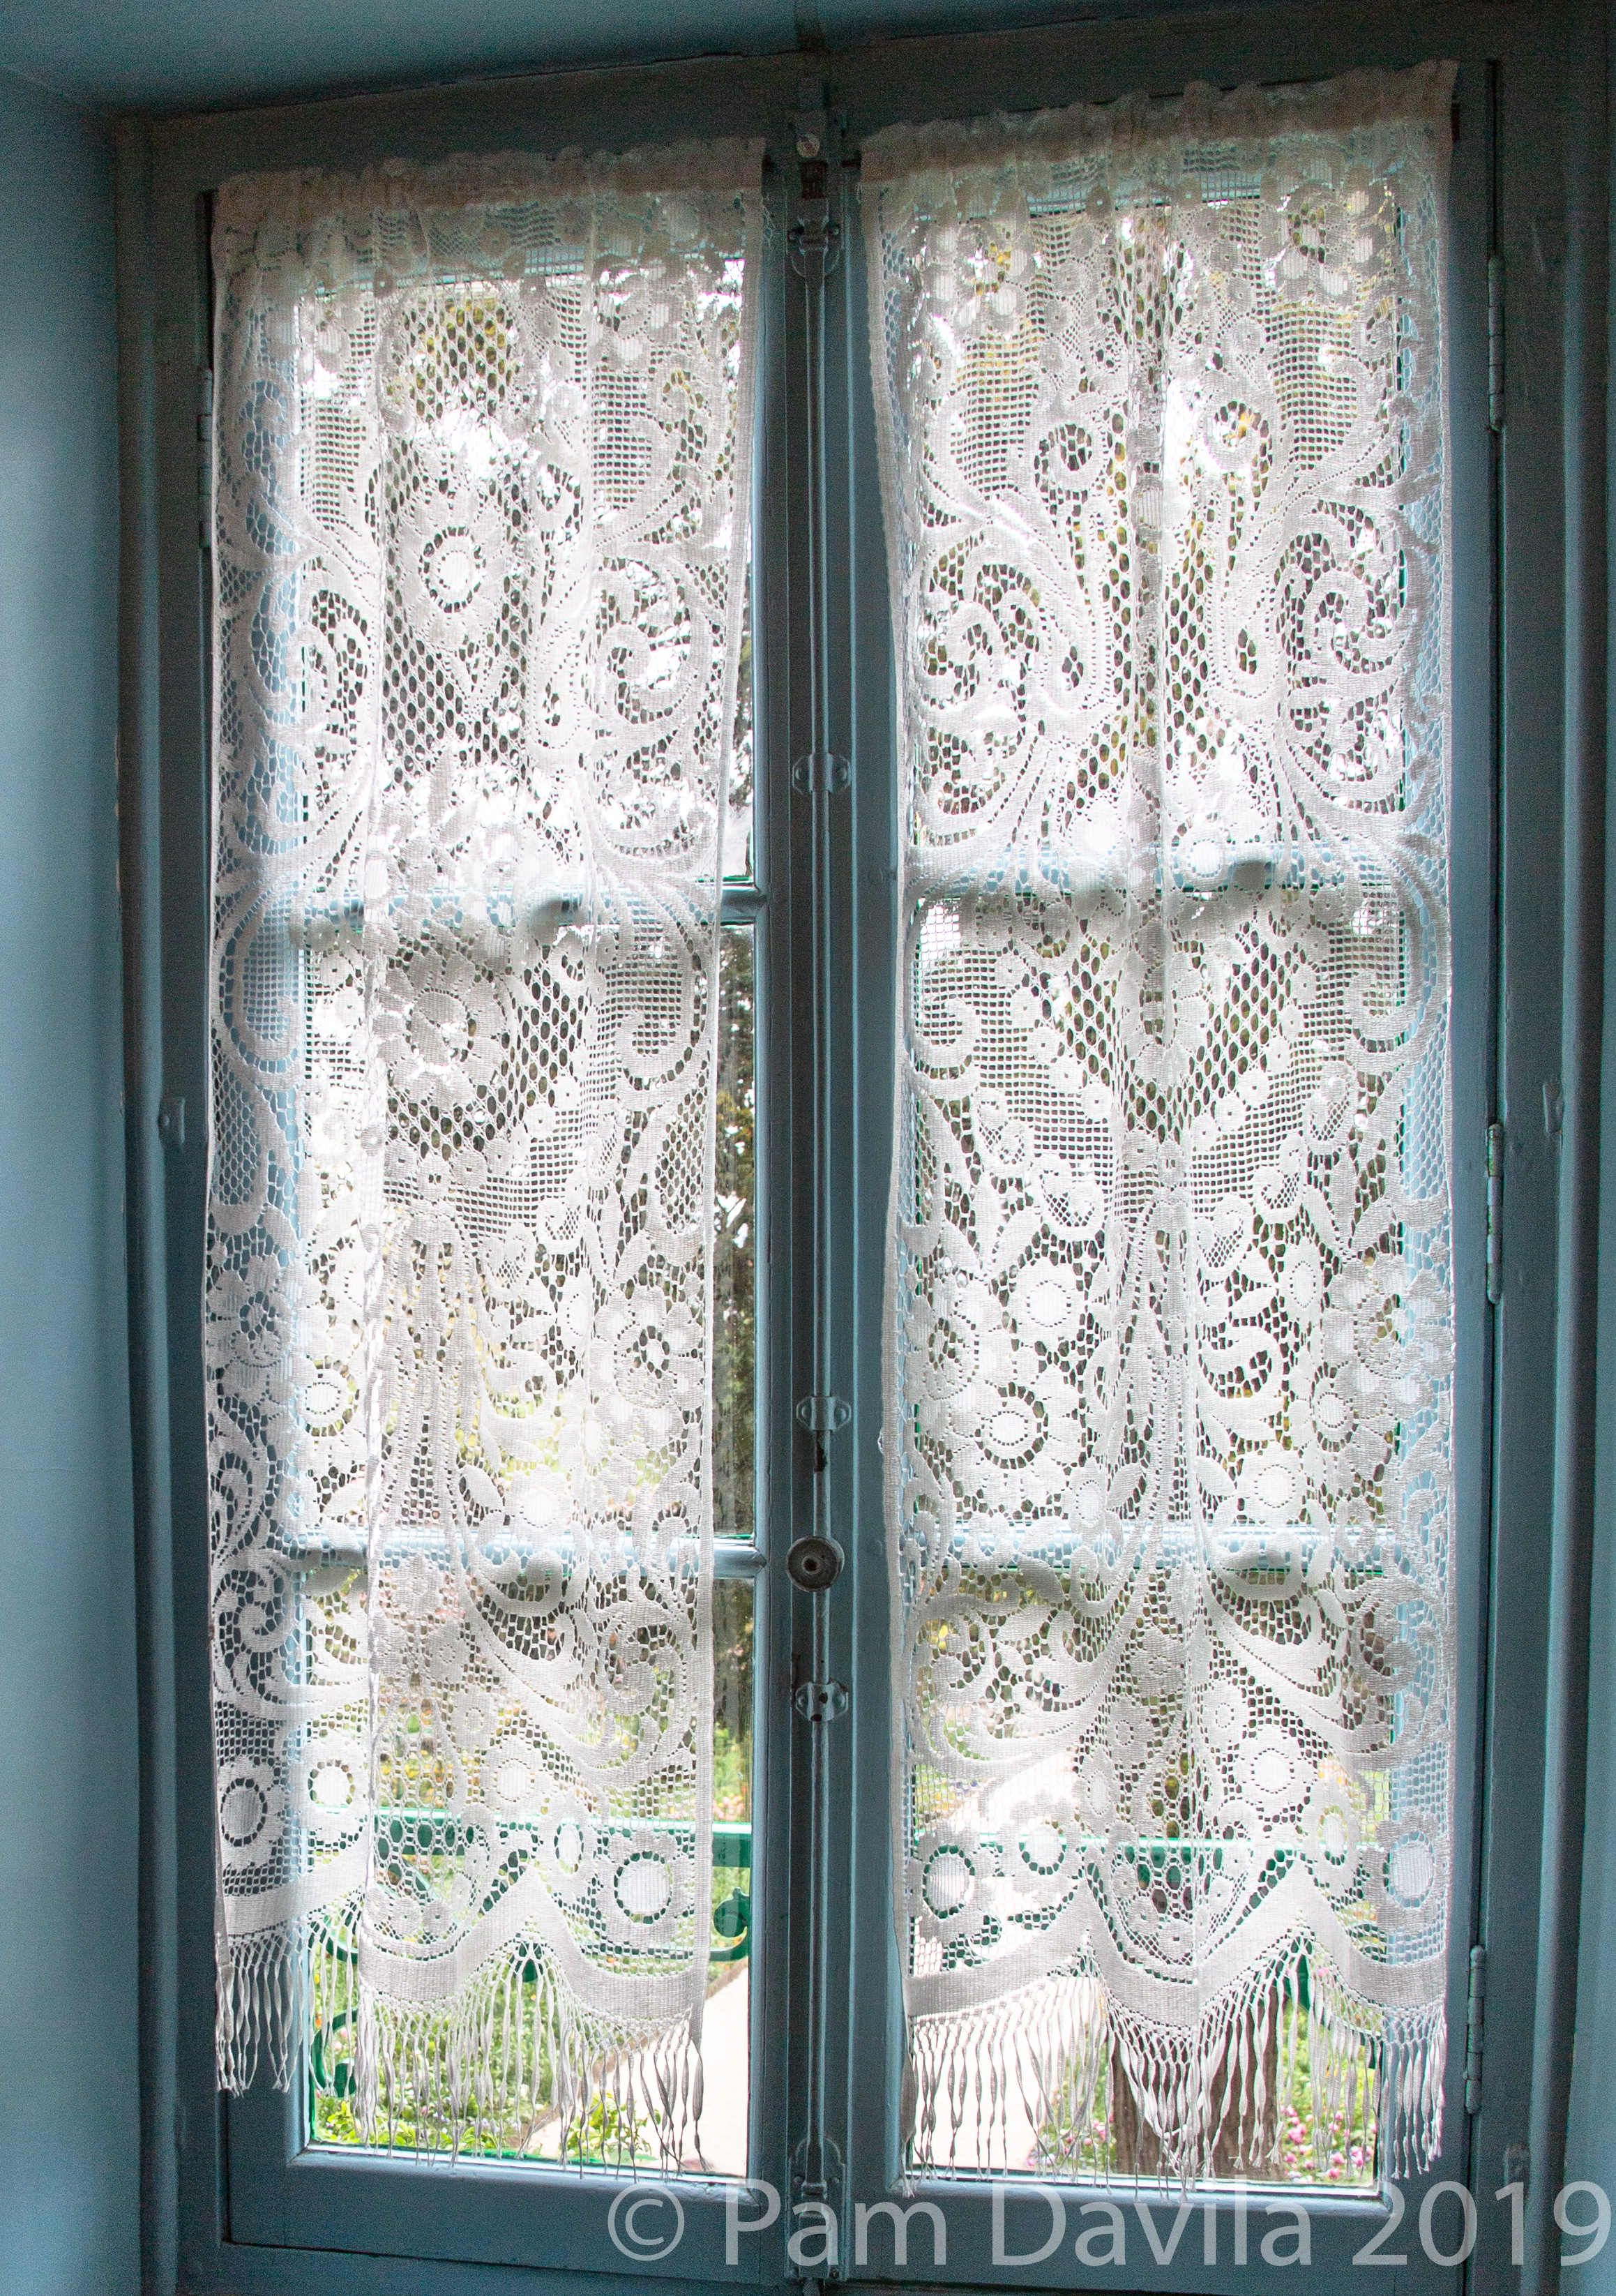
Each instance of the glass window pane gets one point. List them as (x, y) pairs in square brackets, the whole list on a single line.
[(726, 2036), (534, 2127), (533, 2132), (1090, 2129), (1170, 1320)]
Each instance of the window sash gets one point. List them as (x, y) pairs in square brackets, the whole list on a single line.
[(276, 2201)]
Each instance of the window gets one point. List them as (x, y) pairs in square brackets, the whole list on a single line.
[(806, 2058)]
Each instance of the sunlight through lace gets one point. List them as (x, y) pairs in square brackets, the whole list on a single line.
[(1161, 395), (481, 477)]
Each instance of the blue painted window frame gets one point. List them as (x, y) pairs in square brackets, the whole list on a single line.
[(245, 2211)]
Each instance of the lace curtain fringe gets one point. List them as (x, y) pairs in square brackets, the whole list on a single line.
[(514, 2057), (1203, 2100)]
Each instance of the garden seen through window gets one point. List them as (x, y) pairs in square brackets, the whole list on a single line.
[(556, 1091)]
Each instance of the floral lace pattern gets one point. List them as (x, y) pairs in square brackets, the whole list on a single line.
[(481, 480), (1160, 391)]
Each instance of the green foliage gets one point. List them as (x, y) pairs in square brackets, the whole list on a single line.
[(732, 1772), (503, 2136), (610, 2135)]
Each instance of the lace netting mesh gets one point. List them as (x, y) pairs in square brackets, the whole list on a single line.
[(481, 450), (1161, 398)]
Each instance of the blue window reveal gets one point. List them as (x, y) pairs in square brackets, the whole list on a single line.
[(809, 2176)]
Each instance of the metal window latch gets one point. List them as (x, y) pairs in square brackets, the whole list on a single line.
[(1475, 2027), (816, 2173), (817, 772), (815, 237), (171, 1120), (814, 1563), (1495, 1213), (820, 1415)]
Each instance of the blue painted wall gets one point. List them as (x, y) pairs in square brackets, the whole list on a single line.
[(69, 1777)]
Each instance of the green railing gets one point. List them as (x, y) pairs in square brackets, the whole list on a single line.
[(732, 1914)]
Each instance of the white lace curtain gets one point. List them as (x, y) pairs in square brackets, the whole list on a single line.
[(1161, 395), (481, 451)]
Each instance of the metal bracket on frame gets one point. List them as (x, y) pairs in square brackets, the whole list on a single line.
[(815, 237), (818, 2176), (820, 1702), (819, 771), (823, 1414)]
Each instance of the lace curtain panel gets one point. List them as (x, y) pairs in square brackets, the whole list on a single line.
[(481, 480), (1161, 392)]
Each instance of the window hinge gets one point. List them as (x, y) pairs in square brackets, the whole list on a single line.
[(1495, 1213), (1475, 2027), (204, 456), (1495, 342)]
